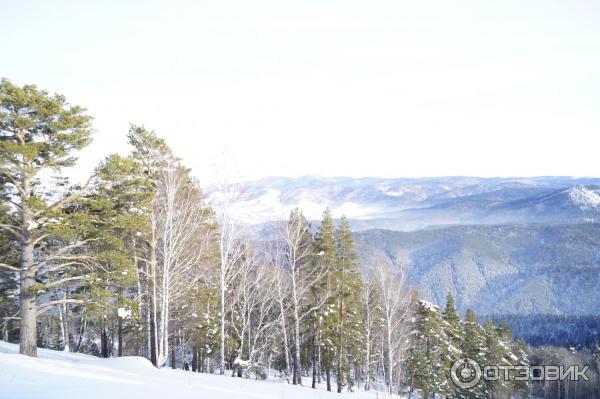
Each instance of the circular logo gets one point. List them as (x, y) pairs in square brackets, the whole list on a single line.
[(465, 373)]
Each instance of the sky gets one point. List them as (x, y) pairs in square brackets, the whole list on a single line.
[(334, 88)]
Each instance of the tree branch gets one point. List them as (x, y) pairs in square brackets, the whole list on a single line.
[(64, 200), (62, 281), (48, 305), (11, 230), (9, 267)]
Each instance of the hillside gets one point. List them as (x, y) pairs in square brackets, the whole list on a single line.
[(63, 375), (510, 269), (410, 204)]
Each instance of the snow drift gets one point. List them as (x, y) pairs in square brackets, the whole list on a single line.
[(64, 375)]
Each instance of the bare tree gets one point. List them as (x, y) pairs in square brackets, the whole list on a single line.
[(254, 307), (184, 234), (230, 248), (395, 310), (304, 274), (370, 313), (282, 290)]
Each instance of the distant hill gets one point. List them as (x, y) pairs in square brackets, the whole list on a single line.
[(509, 269), (411, 204)]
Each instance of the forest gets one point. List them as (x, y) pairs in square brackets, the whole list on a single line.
[(138, 261)]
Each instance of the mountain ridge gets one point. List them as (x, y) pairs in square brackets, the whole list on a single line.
[(408, 204)]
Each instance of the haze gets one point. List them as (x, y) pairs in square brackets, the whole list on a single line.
[(504, 88)]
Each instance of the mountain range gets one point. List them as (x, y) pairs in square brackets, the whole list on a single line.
[(412, 204), (513, 246)]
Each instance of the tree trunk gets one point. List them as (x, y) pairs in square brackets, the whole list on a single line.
[(81, 331), (28, 310), (28, 306), (314, 358), (390, 355), (367, 362), (120, 337), (173, 358), (153, 338), (340, 376), (296, 380), (104, 343), (328, 377), (318, 357), (153, 297), (201, 367), (194, 359), (222, 347), (286, 348)]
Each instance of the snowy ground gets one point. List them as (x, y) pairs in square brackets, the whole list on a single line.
[(67, 375)]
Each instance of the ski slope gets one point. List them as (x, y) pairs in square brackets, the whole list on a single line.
[(63, 375)]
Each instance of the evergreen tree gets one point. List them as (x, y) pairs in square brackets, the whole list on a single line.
[(474, 347), (118, 206), (8, 280), (453, 330), (428, 359), (38, 132), (324, 319), (347, 293), (495, 355)]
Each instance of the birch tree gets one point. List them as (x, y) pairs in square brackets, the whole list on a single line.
[(395, 309), (230, 248), (185, 233), (151, 152), (282, 291), (255, 310), (304, 274), (370, 313)]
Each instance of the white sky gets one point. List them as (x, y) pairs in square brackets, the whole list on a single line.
[(370, 88)]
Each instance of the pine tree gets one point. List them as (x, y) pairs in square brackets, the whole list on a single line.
[(414, 355), (347, 293), (205, 330), (324, 320), (453, 330), (39, 132), (452, 325), (429, 353), (474, 347), (8, 287), (118, 208), (495, 355)]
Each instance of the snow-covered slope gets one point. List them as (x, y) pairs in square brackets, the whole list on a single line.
[(63, 375)]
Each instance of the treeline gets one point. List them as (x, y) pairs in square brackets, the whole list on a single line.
[(556, 356), (137, 261), (439, 338), (568, 331)]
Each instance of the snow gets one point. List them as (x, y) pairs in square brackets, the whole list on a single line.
[(584, 197), (428, 305), (63, 375), (124, 313), (386, 190)]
